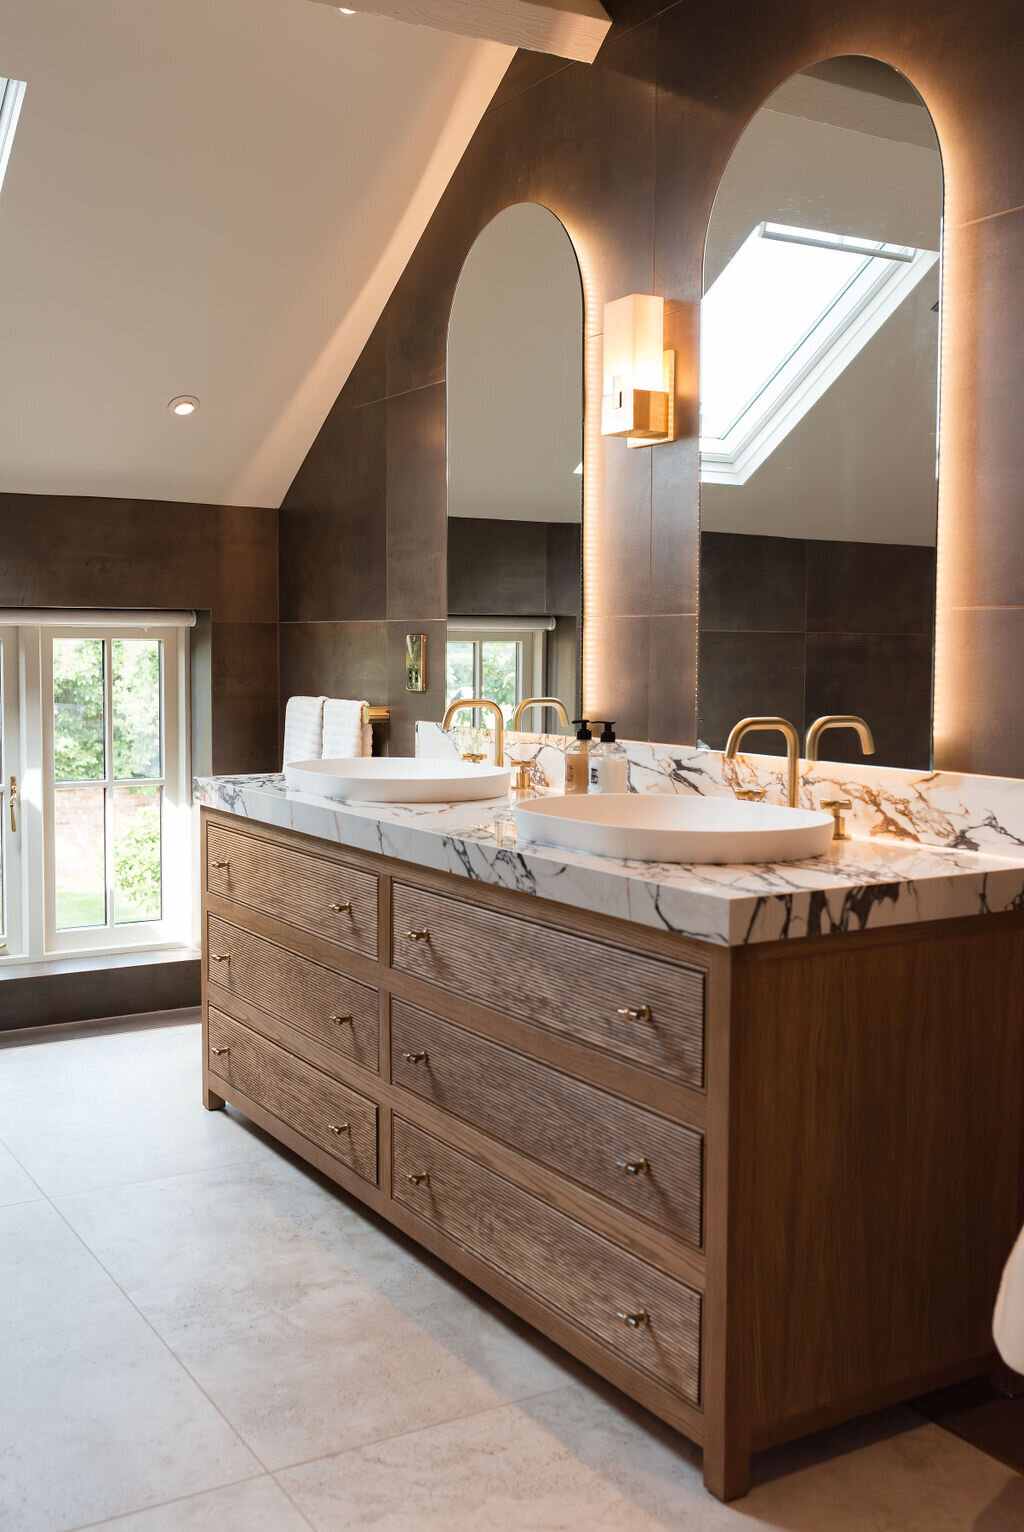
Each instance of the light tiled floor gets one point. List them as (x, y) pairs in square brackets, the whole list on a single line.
[(197, 1333)]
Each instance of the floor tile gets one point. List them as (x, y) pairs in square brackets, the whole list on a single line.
[(96, 1417), (15, 1184), (258, 1505), (312, 1327), (576, 1459), (104, 1110)]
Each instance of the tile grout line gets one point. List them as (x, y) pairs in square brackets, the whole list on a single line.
[(159, 1505)]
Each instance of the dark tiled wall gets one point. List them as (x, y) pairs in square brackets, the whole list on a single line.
[(799, 628), (628, 153), (513, 568), (66, 551)]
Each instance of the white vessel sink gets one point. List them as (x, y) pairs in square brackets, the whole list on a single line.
[(664, 827), (398, 779)]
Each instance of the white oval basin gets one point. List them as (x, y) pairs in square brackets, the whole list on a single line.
[(398, 779), (664, 827)]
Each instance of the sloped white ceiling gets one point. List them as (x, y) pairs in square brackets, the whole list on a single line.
[(208, 197)]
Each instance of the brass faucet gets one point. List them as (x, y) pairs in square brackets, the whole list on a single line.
[(528, 702), (792, 738), (838, 721), (499, 722)]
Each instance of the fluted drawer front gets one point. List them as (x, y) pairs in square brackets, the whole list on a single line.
[(334, 1009), (640, 1161), (312, 892), (330, 1115), (639, 1008), (646, 1317)]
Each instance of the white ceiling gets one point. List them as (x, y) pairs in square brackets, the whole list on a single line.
[(208, 197)]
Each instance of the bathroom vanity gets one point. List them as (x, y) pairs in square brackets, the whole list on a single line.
[(755, 1176)]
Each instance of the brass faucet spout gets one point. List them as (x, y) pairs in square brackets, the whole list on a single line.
[(543, 702), (792, 739), (838, 721), (499, 722)]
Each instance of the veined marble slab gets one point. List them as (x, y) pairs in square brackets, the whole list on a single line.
[(860, 885), (934, 808)]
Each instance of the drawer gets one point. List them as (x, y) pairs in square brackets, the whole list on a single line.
[(628, 1155), (639, 1008), (328, 1006), (309, 891), (574, 1271), (331, 1116)]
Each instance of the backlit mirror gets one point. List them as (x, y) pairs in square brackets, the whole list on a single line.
[(515, 469), (819, 402)]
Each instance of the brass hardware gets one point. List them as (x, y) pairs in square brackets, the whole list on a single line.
[(341, 1020), (338, 1128), (419, 1178), (541, 702), (750, 794), (522, 781), (415, 662), (499, 722), (792, 739), (375, 714), (838, 807), (220, 866), (220, 1052), (416, 1058), (220, 957), (476, 756), (638, 1167), (343, 908), (423, 935), (821, 726), (634, 1319), (13, 800), (634, 1012)]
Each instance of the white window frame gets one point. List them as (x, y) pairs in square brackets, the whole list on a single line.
[(528, 633), (12, 937), (38, 939)]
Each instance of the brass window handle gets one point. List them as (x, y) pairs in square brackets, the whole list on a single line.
[(341, 1020), (416, 1058), (13, 800), (220, 957), (634, 1012), (419, 1178), (220, 1052), (638, 1167), (338, 1128), (220, 866), (422, 935), (633, 1317), (343, 907)]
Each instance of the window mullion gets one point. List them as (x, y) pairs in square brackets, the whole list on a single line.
[(108, 783)]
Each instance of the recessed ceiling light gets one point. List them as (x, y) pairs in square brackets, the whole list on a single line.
[(345, 10), (184, 404)]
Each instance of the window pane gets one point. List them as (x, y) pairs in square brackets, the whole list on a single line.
[(3, 800), (136, 687), (137, 890), (79, 864), (500, 667), (459, 680), (78, 753)]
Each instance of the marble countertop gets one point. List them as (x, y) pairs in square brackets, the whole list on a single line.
[(860, 885)]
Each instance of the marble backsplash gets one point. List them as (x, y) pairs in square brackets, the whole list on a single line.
[(934, 808)]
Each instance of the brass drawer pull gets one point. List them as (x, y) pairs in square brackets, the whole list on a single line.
[(338, 1128), (634, 1012), (422, 935), (634, 1319), (341, 1020), (416, 1058), (419, 1178), (342, 908), (220, 866), (638, 1167), (220, 957), (220, 1052)]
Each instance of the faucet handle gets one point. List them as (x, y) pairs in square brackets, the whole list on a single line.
[(838, 807), (522, 781), (750, 794), (475, 756)]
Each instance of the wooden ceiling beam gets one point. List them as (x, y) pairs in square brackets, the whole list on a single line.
[(572, 29)]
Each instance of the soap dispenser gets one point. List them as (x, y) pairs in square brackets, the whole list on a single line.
[(609, 769), (577, 757)]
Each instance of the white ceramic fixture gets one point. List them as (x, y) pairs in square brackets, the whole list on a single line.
[(398, 779), (664, 827)]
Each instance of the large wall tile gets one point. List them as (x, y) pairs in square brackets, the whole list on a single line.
[(417, 506), (870, 588), (752, 584), (745, 675), (617, 682), (409, 707), (882, 678), (672, 703), (978, 723), (334, 659)]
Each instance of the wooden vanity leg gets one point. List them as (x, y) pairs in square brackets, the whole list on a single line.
[(211, 1101), (1005, 1381), (726, 1466)]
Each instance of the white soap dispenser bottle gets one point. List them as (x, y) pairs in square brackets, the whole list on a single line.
[(609, 766)]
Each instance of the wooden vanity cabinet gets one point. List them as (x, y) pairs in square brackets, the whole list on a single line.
[(760, 1189)]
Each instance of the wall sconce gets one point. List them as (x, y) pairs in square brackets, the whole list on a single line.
[(638, 399)]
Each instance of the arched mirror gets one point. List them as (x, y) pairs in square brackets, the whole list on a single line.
[(819, 406), (515, 468)]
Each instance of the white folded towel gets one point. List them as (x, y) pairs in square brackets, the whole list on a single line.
[(345, 733), (303, 729)]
